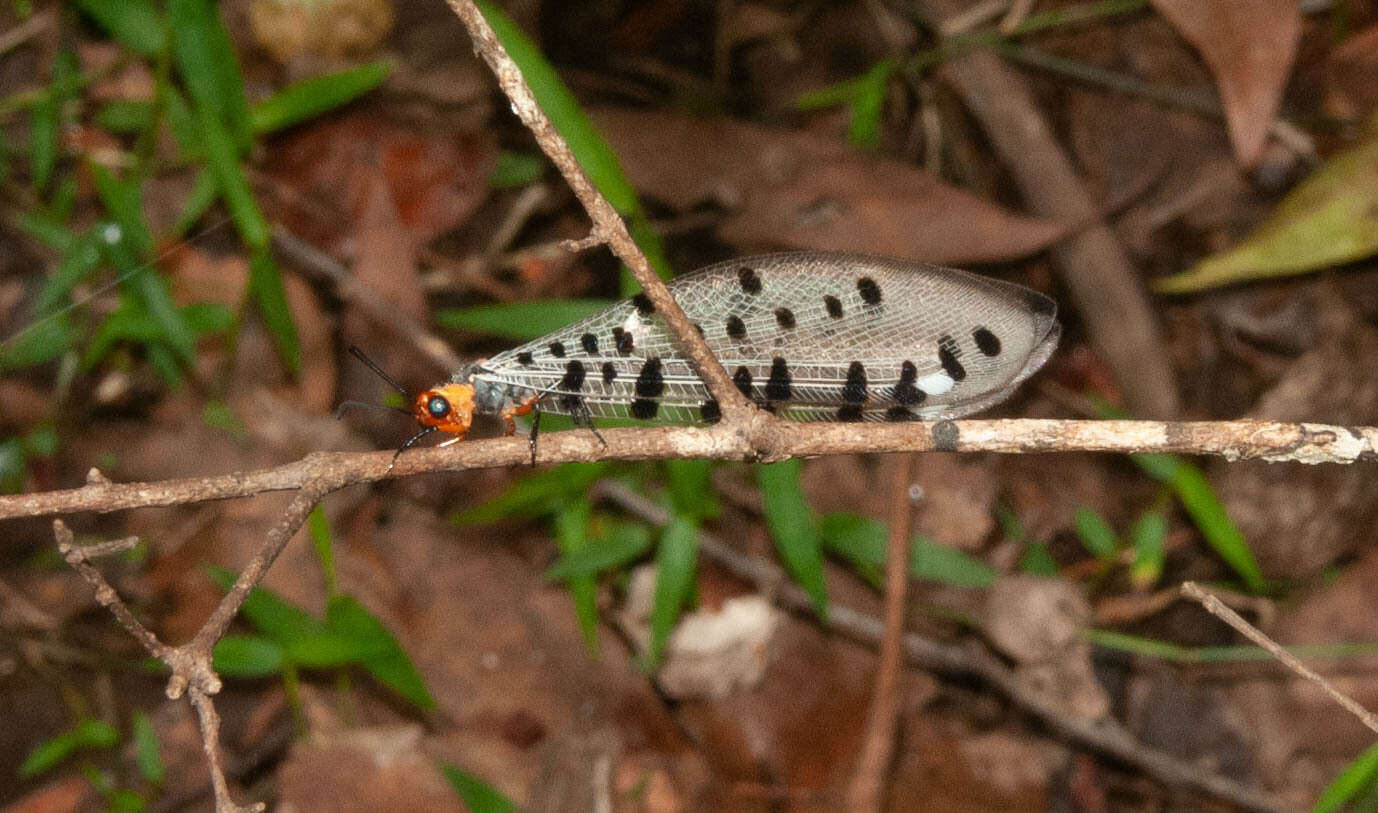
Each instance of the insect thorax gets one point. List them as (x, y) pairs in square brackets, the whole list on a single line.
[(490, 397)]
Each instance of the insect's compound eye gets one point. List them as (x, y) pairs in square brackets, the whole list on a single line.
[(437, 406)]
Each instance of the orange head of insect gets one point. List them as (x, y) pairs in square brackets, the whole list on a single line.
[(447, 408)]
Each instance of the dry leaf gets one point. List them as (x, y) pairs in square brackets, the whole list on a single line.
[(1326, 220), (1350, 92), (796, 190), (1249, 46)]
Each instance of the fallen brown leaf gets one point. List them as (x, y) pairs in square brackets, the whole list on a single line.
[(796, 190), (1249, 46)]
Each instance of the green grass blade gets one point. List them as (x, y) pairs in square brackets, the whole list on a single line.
[(535, 495), (265, 286), (793, 528), (868, 105), (135, 24), (1358, 777), (390, 665), (310, 98), (247, 656), (1147, 537), (1220, 532), (571, 534), (862, 541), (1038, 561), (274, 616), (513, 169), (222, 158), (45, 125), (592, 152), (691, 488), (203, 195), (478, 796), (520, 321), (55, 750), (323, 541), (40, 343), (1096, 535), (206, 60), (146, 752), (620, 544), (676, 558)]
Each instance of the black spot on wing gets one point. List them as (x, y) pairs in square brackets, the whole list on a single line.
[(650, 382), (849, 413), (573, 380), (524, 359), (644, 305), (623, 341), (645, 408), (784, 317), (710, 411), (869, 290), (899, 413), (948, 353), (854, 390), (749, 280), (742, 378), (609, 372), (571, 404), (736, 328), (557, 349), (778, 385), (988, 343), (833, 306), (905, 391), (589, 342)]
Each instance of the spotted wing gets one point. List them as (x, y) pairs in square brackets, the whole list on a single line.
[(812, 335)]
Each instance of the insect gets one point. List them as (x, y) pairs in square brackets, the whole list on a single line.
[(806, 335)]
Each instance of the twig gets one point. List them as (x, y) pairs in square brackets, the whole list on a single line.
[(779, 440), (26, 30), (210, 739), (1106, 736), (377, 308), (190, 664), (607, 223), (1217, 608), (867, 790)]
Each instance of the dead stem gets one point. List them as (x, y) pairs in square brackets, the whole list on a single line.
[(867, 790), (1217, 608)]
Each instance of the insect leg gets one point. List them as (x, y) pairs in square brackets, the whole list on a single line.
[(411, 441), (535, 431), (583, 416)]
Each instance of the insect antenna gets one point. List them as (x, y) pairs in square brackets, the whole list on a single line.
[(368, 362), (345, 405)]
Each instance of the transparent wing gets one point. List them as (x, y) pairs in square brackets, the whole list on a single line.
[(817, 335)]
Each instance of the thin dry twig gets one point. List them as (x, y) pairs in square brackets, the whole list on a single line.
[(191, 670), (369, 302), (607, 223), (1217, 608), (1272, 441), (867, 789), (1106, 736)]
